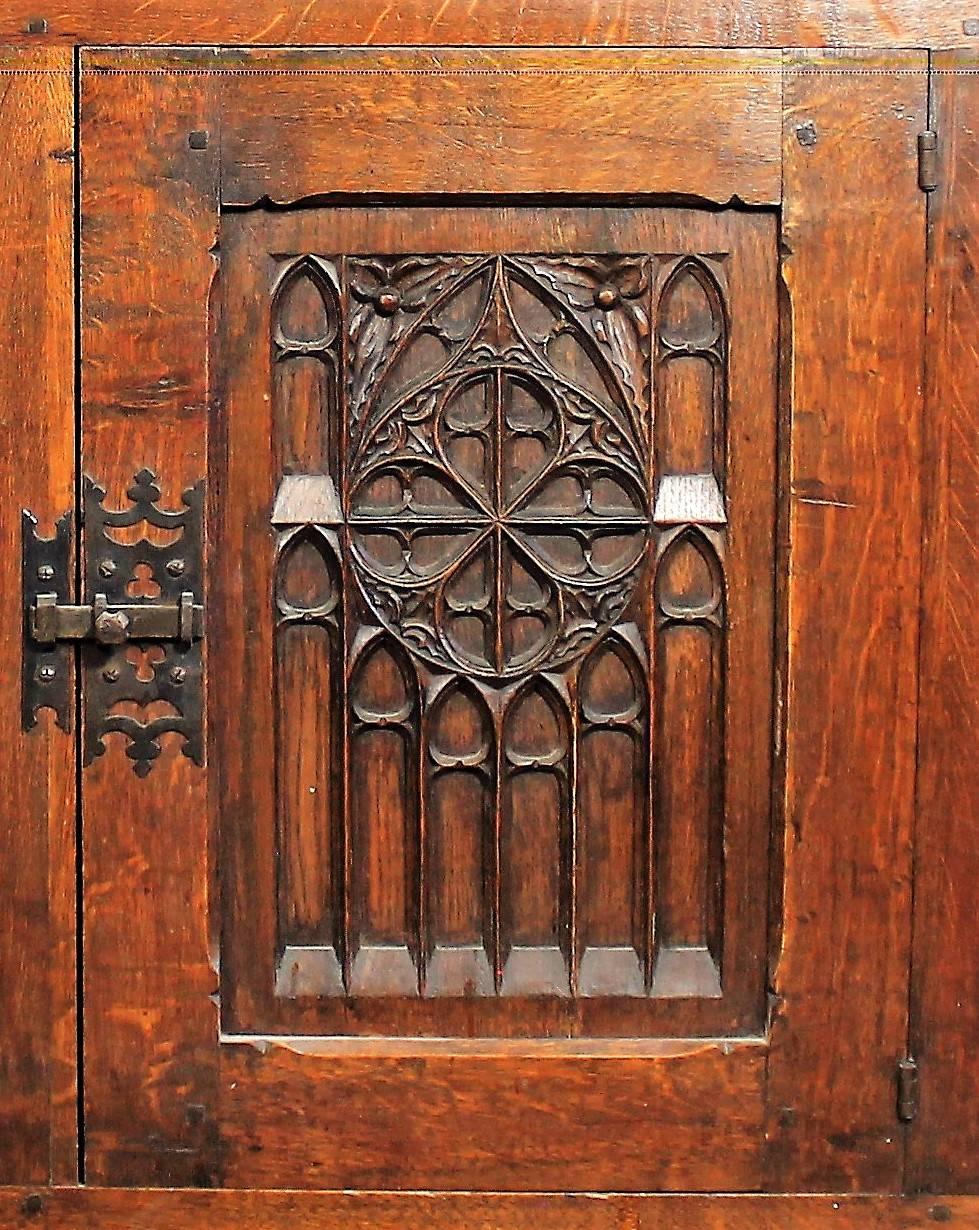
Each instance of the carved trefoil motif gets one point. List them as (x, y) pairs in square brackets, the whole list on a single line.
[(501, 605)]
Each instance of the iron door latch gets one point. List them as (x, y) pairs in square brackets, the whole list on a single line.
[(140, 660)]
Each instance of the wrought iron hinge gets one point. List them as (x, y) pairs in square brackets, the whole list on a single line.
[(928, 161), (140, 634), (907, 1090)]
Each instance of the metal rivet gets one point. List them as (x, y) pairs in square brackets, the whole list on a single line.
[(198, 139), (46, 673), (388, 302), (112, 627), (176, 567), (107, 568), (178, 675), (606, 297), (806, 134), (111, 674), (32, 1204), (37, 25), (45, 573)]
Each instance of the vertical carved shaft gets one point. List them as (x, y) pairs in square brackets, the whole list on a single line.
[(384, 823), (689, 681), (688, 630), (459, 870), (536, 844), (309, 635), (612, 822)]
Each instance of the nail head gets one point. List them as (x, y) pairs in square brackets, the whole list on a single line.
[(32, 1204)]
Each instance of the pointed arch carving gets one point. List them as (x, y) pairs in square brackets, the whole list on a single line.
[(691, 365), (306, 357), (528, 659)]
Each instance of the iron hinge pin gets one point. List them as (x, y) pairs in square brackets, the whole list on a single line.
[(928, 161), (907, 1090)]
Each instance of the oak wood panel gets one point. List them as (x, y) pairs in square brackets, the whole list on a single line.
[(148, 220), (944, 1144), (502, 121), (744, 23), (309, 998), (115, 1209), (484, 1116), (38, 1118), (854, 272)]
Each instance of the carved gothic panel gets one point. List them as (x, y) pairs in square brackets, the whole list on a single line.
[(501, 507)]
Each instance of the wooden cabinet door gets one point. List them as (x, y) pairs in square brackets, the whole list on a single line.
[(482, 883)]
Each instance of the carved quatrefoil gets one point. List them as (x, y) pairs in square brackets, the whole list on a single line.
[(499, 502)]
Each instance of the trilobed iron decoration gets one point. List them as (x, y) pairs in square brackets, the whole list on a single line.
[(140, 629)]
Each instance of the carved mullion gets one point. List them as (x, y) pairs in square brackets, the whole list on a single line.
[(500, 944), (571, 860)]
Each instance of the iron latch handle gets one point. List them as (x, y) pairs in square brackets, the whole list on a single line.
[(116, 623)]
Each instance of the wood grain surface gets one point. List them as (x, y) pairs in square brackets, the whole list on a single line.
[(38, 1120), (301, 123), (854, 269), (146, 271), (78, 1209), (489, 1116), (944, 1146), (744, 23)]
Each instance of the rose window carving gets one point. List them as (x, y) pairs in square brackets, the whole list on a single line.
[(498, 475)]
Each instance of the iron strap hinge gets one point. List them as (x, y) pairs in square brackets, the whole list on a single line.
[(928, 161), (139, 658), (115, 623), (907, 1090)]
